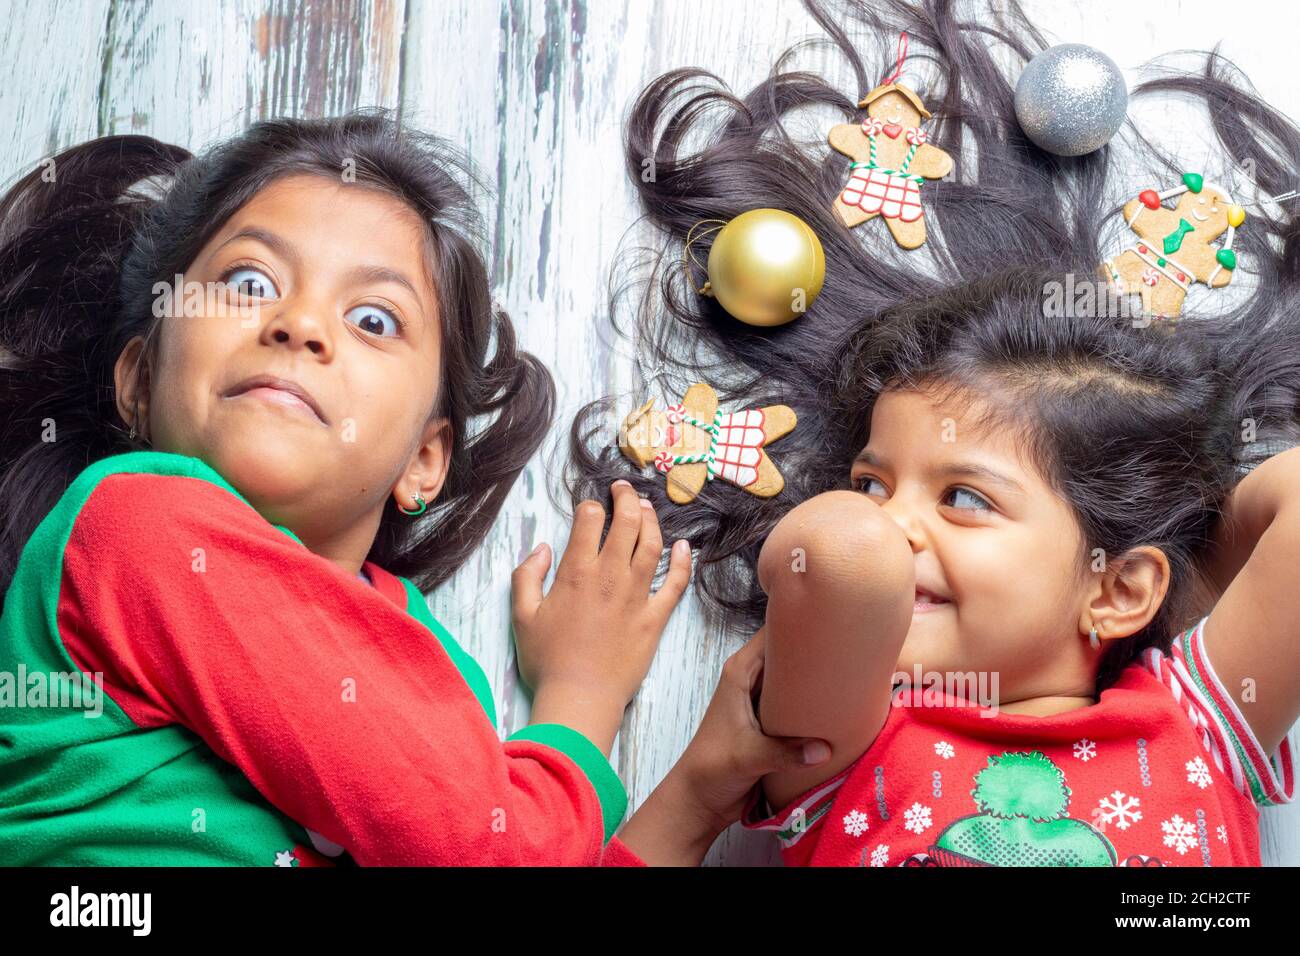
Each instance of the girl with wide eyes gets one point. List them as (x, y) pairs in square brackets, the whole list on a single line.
[(234, 512)]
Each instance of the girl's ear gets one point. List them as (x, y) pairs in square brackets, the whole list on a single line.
[(427, 470), (131, 388), (1128, 595)]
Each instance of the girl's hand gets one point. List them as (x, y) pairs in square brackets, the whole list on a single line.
[(586, 645), (706, 790)]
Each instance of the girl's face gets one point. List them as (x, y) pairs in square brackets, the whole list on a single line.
[(991, 539), (321, 284)]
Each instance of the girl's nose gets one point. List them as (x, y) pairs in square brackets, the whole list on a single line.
[(904, 516), (299, 329)]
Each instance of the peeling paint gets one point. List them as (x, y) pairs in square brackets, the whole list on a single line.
[(544, 243), (578, 25), (527, 530)]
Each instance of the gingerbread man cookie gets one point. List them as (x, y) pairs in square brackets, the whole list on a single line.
[(891, 161), (694, 441), (1173, 248)]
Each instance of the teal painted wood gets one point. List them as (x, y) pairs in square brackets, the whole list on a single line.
[(535, 91)]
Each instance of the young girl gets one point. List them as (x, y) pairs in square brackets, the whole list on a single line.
[(1028, 508), (1030, 573), (234, 386)]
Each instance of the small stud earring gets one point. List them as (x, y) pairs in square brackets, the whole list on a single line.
[(1092, 639), (420, 505)]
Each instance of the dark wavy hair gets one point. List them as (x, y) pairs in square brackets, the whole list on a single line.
[(1138, 427), (84, 237)]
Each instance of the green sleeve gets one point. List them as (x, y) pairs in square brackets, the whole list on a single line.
[(609, 789)]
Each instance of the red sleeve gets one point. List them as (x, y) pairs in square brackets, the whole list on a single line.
[(618, 853), (339, 707)]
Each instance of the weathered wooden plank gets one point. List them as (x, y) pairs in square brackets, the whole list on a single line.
[(195, 73), (53, 56)]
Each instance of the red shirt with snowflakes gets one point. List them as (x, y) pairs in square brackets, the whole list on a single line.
[(1161, 771)]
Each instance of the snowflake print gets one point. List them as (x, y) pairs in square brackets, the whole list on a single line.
[(1198, 773), (1179, 834), (1119, 809), (855, 824), (285, 858), (1223, 833), (917, 818), (944, 750), (1085, 750), (880, 856)]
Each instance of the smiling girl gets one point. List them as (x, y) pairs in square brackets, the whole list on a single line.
[(1090, 515), (225, 507), (986, 535)]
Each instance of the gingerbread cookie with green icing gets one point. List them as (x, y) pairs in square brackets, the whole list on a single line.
[(1174, 247), (694, 441)]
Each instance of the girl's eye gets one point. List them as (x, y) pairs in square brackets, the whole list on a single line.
[(864, 482), (372, 319), (983, 505), (250, 283)]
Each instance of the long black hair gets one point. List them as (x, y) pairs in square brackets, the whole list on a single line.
[(1142, 428), (86, 235)]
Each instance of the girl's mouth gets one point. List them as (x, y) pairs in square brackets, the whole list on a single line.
[(278, 396), (279, 391), (926, 602)]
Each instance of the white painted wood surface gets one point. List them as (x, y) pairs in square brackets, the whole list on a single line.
[(536, 91)]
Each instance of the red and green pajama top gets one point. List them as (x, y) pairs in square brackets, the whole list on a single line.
[(259, 706), (1162, 771)]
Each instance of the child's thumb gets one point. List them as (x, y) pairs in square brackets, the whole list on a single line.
[(799, 753), (526, 581)]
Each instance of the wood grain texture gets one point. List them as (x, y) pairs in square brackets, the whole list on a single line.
[(536, 91), (50, 99)]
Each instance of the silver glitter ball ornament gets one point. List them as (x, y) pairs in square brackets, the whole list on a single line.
[(1071, 99)]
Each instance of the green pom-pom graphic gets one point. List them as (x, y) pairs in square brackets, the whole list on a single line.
[(1021, 785), (1022, 798)]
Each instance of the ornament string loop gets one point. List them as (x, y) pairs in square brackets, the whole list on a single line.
[(898, 65), (688, 256)]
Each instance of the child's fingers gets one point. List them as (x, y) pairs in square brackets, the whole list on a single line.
[(624, 527), (526, 583), (649, 544), (749, 658), (584, 537), (742, 675), (675, 581)]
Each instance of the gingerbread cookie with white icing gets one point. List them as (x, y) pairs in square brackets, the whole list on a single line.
[(694, 441), (891, 160)]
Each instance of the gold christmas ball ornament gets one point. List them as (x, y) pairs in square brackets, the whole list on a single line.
[(765, 267)]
